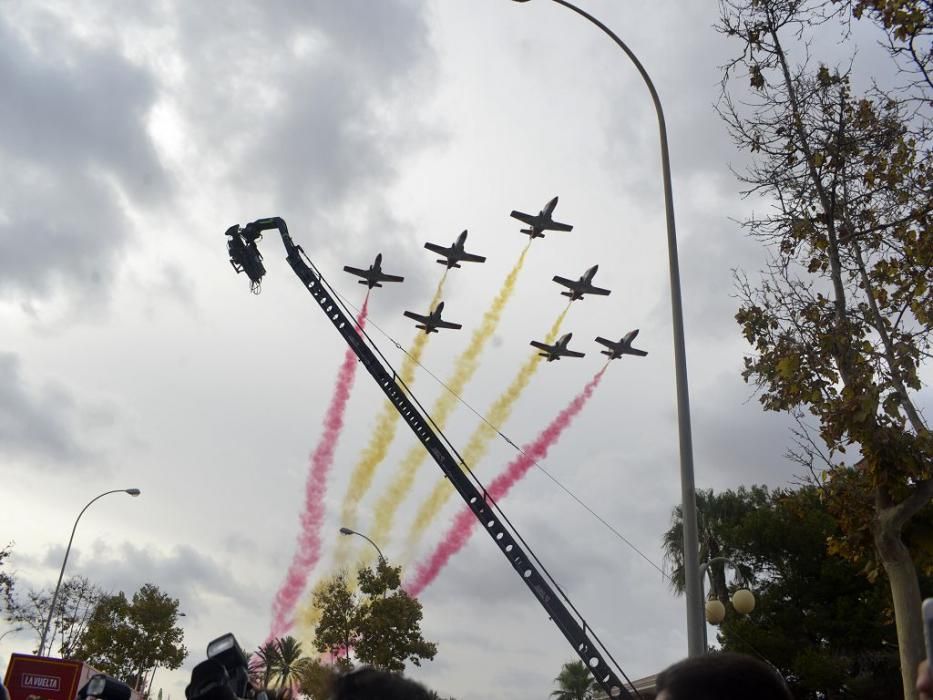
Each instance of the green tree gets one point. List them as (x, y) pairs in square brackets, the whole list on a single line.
[(380, 622), (827, 628), (390, 621), (337, 631), (841, 320), (315, 680), (575, 682), (76, 602), (128, 639)]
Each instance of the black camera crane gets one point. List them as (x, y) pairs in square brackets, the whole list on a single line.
[(244, 256)]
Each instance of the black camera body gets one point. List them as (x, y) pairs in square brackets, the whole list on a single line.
[(224, 675), (105, 687)]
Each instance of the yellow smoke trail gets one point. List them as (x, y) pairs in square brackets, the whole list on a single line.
[(362, 476), (466, 366), (479, 441), (308, 616)]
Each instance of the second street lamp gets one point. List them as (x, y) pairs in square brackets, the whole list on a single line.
[(693, 594), (48, 622), (348, 531)]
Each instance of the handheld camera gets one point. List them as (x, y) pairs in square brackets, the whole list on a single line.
[(224, 675), (106, 688)]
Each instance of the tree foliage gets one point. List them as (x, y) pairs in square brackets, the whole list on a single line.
[(129, 638), (841, 320), (380, 622), (337, 631), (575, 682), (76, 602), (827, 629), (315, 680)]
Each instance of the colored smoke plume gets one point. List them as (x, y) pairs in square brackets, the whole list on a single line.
[(479, 441), (362, 476), (463, 525), (309, 539), (466, 365)]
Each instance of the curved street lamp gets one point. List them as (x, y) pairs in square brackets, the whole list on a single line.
[(743, 600), (11, 631), (48, 622), (348, 531), (696, 629)]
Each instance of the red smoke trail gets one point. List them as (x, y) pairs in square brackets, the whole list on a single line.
[(309, 540), (463, 524)]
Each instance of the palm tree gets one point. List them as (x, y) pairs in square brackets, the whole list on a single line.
[(716, 515), (575, 682), (288, 662), (279, 664), (262, 662)]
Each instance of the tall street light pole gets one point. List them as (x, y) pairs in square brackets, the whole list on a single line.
[(694, 597), (348, 531), (48, 622)]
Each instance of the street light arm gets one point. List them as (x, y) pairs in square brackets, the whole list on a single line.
[(61, 574), (381, 558), (348, 531), (695, 623)]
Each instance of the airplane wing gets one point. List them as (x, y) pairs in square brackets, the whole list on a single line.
[(640, 353), (542, 346), (417, 317), (527, 218), (572, 353), (603, 341), (596, 290), (448, 324), (355, 271), (389, 278), (556, 226), (470, 257), (439, 249), (566, 282)]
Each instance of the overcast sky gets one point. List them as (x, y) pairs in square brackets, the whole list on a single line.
[(132, 135)]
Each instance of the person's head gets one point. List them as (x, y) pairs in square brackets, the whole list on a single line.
[(369, 684), (724, 676)]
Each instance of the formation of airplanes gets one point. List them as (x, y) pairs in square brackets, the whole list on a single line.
[(454, 254)]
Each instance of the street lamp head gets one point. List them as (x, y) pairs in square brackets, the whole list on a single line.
[(346, 531), (743, 600), (133, 492), (715, 611)]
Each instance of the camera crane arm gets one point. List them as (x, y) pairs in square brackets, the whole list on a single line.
[(244, 256)]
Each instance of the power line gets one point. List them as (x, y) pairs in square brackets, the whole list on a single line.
[(511, 442)]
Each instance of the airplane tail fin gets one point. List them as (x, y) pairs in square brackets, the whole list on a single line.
[(567, 294)]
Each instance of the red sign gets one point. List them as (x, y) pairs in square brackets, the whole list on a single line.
[(42, 678)]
